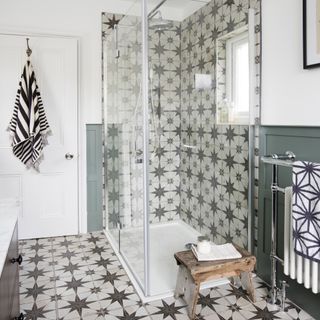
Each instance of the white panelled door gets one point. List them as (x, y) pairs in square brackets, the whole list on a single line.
[(49, 199)]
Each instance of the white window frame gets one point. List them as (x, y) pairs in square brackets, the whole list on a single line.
[(238, 117)]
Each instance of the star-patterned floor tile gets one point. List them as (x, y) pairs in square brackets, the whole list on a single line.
[(234, 294), (30, 283), (296, 313), (69, 268), (36, 259), (170, 309), (115, 298), (210, 301), (135, 312), (67, 286), (45, 309), (106, 262), (35, 272), (78, 305), (116, 278), (263, 310), (74, 284), (36, 291)]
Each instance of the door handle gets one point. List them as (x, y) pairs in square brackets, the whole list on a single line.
[(69, 156), (20, 317), (17, 260)]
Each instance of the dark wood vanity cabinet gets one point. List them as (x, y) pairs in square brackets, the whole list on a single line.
[(9, 282)]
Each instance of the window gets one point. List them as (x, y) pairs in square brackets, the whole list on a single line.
[(235, 105), (237, 76)]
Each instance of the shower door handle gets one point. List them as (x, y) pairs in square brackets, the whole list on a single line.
[(120, 223), (69, 156)]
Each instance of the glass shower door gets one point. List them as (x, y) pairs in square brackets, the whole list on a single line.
[(112, 126), (125, 134), (130, 89)]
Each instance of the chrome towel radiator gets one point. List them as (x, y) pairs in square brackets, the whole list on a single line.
[(277, 296)]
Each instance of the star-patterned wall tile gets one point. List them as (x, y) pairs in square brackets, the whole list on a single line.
[(220, 17)]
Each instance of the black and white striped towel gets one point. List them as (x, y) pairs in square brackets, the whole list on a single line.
[(29, 127)]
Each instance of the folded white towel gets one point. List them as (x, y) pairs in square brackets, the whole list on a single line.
[(218, 252)]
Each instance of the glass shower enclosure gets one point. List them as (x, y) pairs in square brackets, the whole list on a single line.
[(176, 163), (126, 132)]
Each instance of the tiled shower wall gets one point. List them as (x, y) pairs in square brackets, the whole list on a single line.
[(123, 120), (164, 104), (214, 158)]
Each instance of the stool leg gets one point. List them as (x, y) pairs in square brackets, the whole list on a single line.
[(247, 284), (188, 289), (181, 282), (191, 295), (236, 282), (194, 301)]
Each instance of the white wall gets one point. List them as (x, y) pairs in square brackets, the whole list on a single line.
[(81, 18), (290, 94)]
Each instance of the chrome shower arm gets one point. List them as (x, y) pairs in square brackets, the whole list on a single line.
[(154, 14), (150, 15)]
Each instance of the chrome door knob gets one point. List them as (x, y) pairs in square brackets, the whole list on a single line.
[(69, 156)]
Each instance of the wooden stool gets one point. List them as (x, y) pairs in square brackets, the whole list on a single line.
[(192, 273)]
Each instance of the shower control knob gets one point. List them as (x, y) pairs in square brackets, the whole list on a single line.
[(69, 156)]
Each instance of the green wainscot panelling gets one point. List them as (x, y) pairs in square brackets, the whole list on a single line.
[(94, 177), (305, 143)]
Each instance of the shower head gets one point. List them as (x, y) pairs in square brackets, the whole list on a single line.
[(159, 24)]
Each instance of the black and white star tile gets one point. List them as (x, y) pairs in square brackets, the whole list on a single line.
[(80, 277)]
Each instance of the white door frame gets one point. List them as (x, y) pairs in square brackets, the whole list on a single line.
[(81, 158)]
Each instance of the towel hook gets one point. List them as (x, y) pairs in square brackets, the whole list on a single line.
[(28, 51)]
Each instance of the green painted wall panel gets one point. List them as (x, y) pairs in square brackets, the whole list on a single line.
[(305, 143), (94, 177)]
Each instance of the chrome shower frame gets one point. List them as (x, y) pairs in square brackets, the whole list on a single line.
[(145, 106)]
